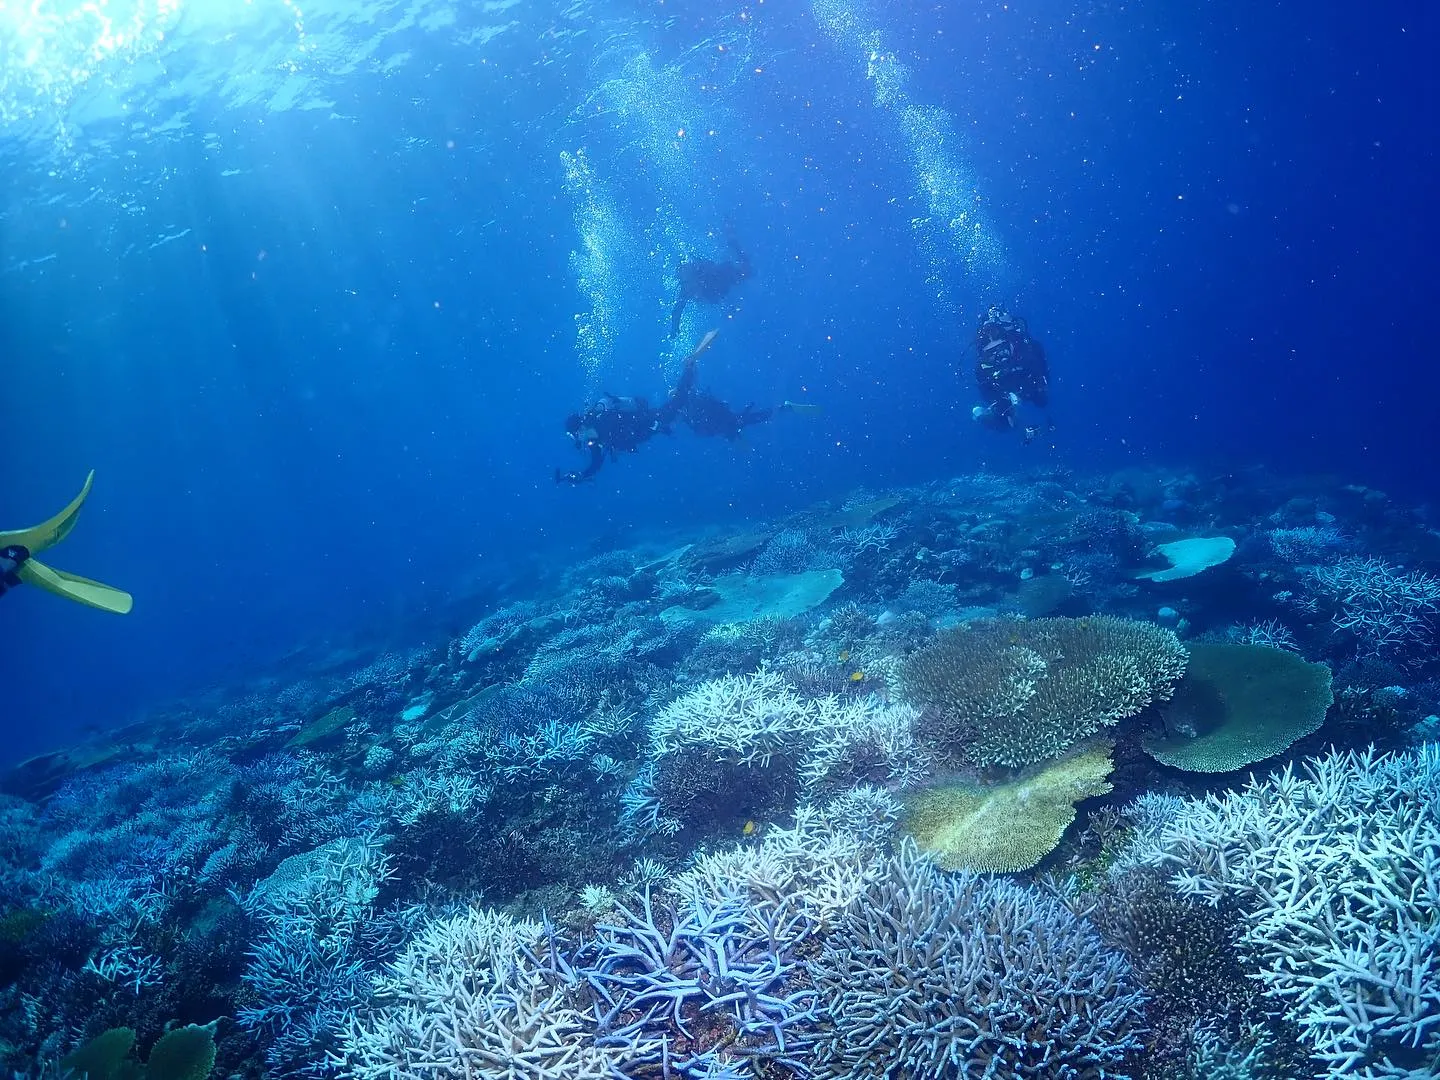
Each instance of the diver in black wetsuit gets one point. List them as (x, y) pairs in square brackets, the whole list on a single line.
[(621, 425), (615, 425), (707, 281), (611, 426), (1010, 368)]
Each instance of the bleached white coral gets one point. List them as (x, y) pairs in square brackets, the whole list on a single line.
[(834, 742), (597, 899), (750, 716), (1337, 869), (466, 999), (863, 738), (807, 872)]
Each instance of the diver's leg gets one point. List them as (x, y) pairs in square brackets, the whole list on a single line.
[(680, 395)]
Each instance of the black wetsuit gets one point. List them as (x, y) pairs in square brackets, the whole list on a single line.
[(705, 414), (708, 281), (10, 560), (616, 425), (1010, 367)]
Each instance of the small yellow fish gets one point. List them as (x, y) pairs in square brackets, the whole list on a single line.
[(749, 829), (844, 655), (857, 676)]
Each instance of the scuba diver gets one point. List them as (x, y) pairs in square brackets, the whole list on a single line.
[(616, 425), (18, 565), (707, 281), (1010, 368)]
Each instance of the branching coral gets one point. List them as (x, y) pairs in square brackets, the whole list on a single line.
[(1306, 544), (710, 747), (812, 871), (321, 940), (862, 740), (929, 975), (1337, 869), (712, 972), (1183, 950), (468, 998), (1385, 608), (684, 989)]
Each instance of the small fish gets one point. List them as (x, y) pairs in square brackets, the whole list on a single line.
[(844, 655), (857, 676), (749, 829)]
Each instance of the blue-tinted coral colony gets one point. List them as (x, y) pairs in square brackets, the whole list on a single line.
[(1000, 777)]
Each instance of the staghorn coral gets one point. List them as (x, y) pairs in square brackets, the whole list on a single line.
[(468, 998), (711, 979), (321, 938), (1183, 951), (731, 648), (811, 871), (1271, 632), (930, 975), (1336, 871), (712, 972), (750, 717), (929, 598), (685, 989), (748, 746), (1201, 1000), (1387, 610), (1219, 1055), (1015, 691), (862, 740), (1307, 544), (790, 551)]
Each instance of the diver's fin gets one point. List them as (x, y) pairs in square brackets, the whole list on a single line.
[(74, 587), (801, 407), (704, 344), (39, 537)]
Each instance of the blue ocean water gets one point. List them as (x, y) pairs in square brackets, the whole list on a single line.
[(312, 286)]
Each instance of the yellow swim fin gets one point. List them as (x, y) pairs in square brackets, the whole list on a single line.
[(74, 587), (801, 407), (39, 537), (71, 586)]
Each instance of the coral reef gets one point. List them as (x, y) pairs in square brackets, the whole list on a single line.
[(748, 746), (469, 998), (1386, 609), (653, 813)]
